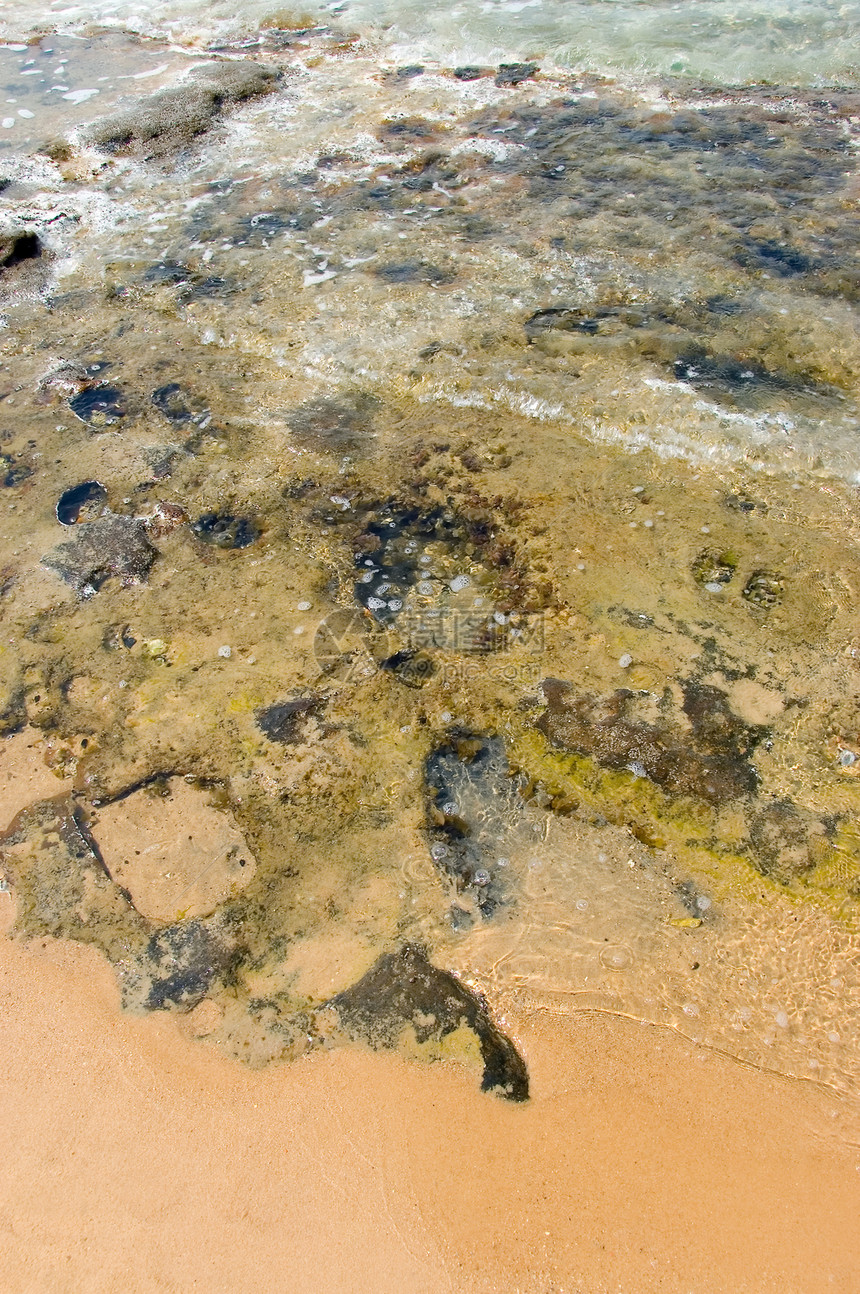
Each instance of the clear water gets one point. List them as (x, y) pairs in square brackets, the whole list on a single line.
[(339, 424), (788, 42)]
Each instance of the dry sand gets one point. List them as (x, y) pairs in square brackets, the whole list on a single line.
[(138, 1159)]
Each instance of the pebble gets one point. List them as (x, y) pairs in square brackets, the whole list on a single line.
[(303, 606), (225, 652), (625, 661)]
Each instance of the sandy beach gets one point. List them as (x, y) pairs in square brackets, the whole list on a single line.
[(135, 1159)]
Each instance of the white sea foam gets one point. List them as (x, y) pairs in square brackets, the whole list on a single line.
[(789, 41)]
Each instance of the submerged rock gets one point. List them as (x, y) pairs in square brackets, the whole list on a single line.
[(403, 998), (179, 966), (100, 405), (475, 818), (169, 400), (172, 118), (710, 760), (223, 530), (284, 721), (61, 884), (108, 547), (333, 426), (171, 850)]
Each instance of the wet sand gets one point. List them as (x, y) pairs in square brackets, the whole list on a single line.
[(136, 1159)]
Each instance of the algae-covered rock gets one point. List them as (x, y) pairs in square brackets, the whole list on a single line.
[(61, 884), (706, 757), (172, 118)]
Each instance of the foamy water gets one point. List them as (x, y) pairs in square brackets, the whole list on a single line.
[(790, 42)]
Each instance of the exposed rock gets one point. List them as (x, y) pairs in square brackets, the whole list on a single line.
[(18, 246), (403, 994), (514, 73), (172, 118), (172, 851), (109, 546)]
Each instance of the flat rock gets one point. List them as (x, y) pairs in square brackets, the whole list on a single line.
[(110, 546), (172, 851)]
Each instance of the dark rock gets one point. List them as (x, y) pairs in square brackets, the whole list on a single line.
[(169, 401), (763, 590), (210, 288), (410, 130), (728, 376), (474, 817), (180, 964), (412, 668), (562, 319), (469, 72), (167, 272), (101, 549), (100, 405), (409, 71), (333, 426), (404, 990), (73, 501), (222, 530), (514, 73), (710, 764), (24, 245), (14, 471), (391, 560), (777, 258), (283, 722), (414, 272), (173, 118), (743, 503)]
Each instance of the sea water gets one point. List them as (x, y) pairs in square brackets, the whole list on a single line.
[(430, 474)]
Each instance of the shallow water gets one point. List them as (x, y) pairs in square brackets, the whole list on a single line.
[(439, 492)]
